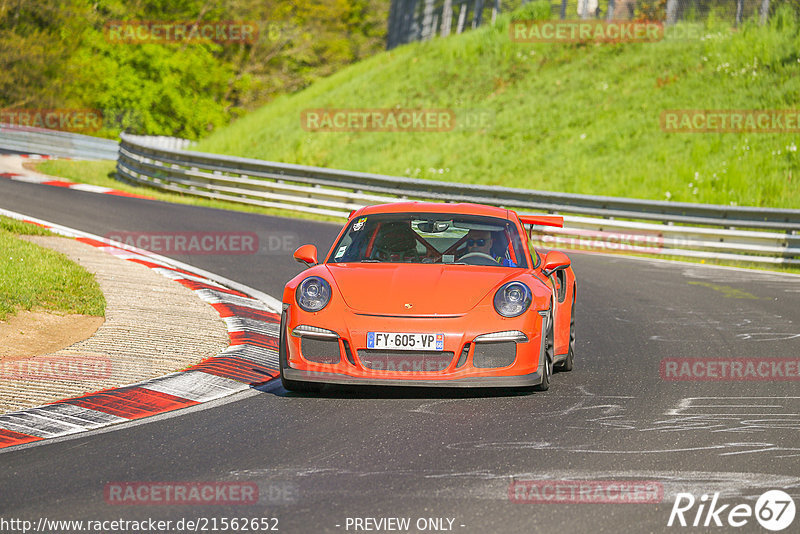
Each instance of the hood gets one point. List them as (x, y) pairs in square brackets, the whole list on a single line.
[(430, 289)]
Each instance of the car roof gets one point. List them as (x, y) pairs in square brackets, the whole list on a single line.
[(464, 208)]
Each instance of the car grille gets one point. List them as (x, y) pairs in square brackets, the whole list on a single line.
[(493, 355), (405, 360), (320, 350)]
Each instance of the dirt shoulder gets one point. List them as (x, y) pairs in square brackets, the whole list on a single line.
[(33, 333), (153, 326)]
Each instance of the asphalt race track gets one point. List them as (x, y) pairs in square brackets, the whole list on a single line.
[(372, 453)]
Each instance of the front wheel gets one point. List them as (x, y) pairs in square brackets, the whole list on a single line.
[(300, 387), (283, 357), (568, 363), (548, 357)]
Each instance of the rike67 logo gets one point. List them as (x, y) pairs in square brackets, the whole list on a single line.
[(774, 510)]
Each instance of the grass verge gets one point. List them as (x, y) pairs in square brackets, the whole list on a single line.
[(32, 277)]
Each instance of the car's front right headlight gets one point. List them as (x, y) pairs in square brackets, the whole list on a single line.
[(512, 299), (313, 294)]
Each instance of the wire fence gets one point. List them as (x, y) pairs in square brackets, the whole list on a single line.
[(421, 20)]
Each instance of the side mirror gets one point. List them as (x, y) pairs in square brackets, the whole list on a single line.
[(306, 254), (554, 261)]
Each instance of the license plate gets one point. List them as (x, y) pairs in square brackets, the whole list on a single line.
[(404, 341)]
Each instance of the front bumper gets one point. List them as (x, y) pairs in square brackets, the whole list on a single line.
[(349, 367), (532, 379)]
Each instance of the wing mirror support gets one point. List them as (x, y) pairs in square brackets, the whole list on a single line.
[(306, 254), (554, 261)]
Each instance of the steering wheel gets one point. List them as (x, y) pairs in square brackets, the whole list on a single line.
[(480, 255)]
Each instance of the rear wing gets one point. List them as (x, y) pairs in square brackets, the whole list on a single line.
[(542, 220)]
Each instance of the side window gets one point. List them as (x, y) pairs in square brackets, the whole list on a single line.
[(534, 255)]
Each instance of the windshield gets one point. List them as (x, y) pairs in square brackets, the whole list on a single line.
[(431, 238)]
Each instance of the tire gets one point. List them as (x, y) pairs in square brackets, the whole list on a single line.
[(301, 387), (283, 356), (569, 362), (548, 354)]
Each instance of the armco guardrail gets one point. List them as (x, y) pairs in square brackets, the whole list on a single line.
[(592, 223), (160, 141), (29, 140)]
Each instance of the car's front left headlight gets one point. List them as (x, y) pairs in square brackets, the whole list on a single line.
[(512, 299), (313, 294)]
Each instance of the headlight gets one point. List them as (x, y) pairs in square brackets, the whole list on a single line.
[(313, 294), (512, 299)]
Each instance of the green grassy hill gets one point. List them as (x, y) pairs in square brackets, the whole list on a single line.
[(581, 118)]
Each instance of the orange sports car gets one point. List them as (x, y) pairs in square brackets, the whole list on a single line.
[(428, 294)]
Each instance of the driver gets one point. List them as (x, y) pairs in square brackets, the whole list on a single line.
[(479, 241)]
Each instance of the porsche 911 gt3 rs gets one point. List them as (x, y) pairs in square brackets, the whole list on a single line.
[(428, 294)]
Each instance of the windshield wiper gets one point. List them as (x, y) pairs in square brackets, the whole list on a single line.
[(370, 261)]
